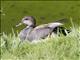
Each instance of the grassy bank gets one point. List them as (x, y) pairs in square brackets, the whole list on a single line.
[(54, 48), (44, 12), (59, 48)]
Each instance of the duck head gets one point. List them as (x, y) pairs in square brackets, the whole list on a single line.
[(28, 20)]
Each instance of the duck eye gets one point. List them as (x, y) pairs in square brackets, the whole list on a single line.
[(26, 19)]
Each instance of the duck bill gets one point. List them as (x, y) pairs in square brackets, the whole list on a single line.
[(18, 24)]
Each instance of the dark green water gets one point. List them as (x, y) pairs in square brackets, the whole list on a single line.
[(44, 11)]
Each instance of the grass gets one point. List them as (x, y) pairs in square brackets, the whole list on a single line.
[(59, 48)]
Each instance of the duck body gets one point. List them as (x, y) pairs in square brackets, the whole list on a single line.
[(24, 33), (33, 32), (37, 33)]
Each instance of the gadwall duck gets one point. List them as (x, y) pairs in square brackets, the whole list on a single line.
[(33, 32)]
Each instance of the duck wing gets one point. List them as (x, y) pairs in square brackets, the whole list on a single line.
[(54, 25), (39, 33), (42, 31), (51, 25), (41, 26)]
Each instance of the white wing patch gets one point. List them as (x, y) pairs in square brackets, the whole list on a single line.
[(53, 25)]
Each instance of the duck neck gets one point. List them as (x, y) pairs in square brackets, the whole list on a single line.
[(29, 29), (32, 26)]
